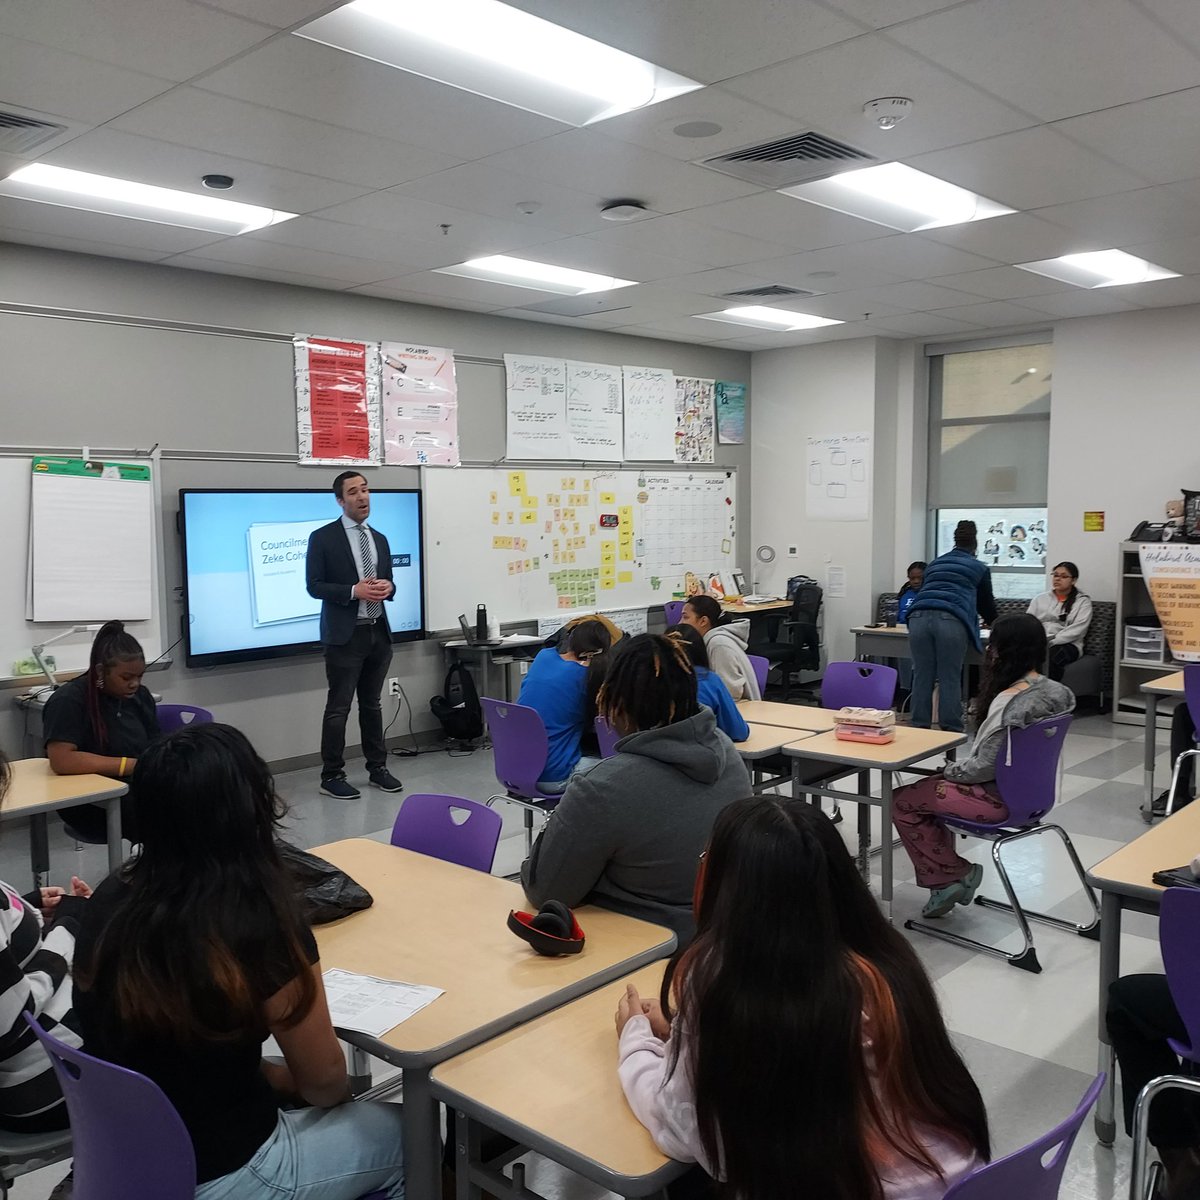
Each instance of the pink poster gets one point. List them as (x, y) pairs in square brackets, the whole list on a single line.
[(420, 406)]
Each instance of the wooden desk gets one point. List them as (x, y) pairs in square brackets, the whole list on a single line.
[(786, 716), (766, 741), (436, 923), (552, 1086), (36, 791), (737, 609), (1125, 881), (911, 746), (1164, 685), (891, 641)]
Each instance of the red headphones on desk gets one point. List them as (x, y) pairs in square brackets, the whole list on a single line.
[(552, 930)]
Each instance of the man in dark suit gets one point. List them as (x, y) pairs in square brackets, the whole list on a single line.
[(349, 569)]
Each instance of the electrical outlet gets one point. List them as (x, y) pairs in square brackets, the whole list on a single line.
[(394, 686), (793, 552)]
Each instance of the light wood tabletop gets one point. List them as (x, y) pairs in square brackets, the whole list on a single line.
[(899, 631), (36, 789), (748, 610), (765, 740), (552, 1084), (911, 745), (440, 924), (1165, 685), (1169, 844), (786, 716)]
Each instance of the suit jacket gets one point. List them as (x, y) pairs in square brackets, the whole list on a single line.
[(330, 573)]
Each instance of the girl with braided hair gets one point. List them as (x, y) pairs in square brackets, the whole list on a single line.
[(628, 833)]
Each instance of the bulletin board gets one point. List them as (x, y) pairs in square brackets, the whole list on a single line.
[(529, 543)]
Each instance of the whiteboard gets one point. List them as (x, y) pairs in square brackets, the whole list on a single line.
[(530, 543)]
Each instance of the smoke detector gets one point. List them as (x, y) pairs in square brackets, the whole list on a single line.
[(888, 111), (623, 210)]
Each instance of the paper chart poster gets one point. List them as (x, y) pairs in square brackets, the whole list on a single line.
[(420, 406), (594, 411), (536, 403), (837, 484), (731, 413), (1172, 573), (337, 401), (649, 414), (694, 421)]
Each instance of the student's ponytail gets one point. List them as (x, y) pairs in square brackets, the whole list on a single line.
[(112, 645)]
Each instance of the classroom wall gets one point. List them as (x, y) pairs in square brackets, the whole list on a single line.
[(69, 382), (1124, 430)]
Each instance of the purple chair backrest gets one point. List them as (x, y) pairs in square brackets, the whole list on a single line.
[(1191, 692), (1029, 784), (176, 716), (1178, 932), (426, 824), (128, 1140), (1024, 1173), (761, 668), (519, 745), (858, 685), (673, 610), (607, 738)]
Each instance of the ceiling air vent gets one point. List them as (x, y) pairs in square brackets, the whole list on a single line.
[(771, 291), (19, 135), (788, 161)]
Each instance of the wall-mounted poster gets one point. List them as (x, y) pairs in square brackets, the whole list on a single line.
[(420, 406), (337, 401), (1012, 541), (837, 484), (694, 422), (536, 398), (1172, 574), (731, 413)]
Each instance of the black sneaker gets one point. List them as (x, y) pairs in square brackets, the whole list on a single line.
[(385, 781), (1158, 806), (339, 788)]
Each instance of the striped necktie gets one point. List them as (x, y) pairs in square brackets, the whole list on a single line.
[(373, 608)]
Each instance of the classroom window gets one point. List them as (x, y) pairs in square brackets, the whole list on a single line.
[(989, 416)]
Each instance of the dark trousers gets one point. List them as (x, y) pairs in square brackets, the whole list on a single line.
[(1061, 657), (1183, 737), (357, 668), (938, 643), (1141, 1016)]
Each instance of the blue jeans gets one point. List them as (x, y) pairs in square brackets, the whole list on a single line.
[(321, 1154), (938, 642)]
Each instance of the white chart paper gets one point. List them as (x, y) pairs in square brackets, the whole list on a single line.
[(594, 411), (536, 395), (649, 414), (837, 480), (373, 1006), (420, 406)]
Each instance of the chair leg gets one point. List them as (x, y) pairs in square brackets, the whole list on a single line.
[(528, 832), (1175, 779)]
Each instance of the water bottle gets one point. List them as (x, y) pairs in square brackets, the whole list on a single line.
[(481, 623)]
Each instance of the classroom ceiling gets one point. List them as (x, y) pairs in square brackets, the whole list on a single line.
[(1084, 115)]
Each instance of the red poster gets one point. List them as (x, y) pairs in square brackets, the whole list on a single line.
[(337, 400)]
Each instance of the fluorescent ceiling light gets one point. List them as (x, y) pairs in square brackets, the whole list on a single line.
[(759, 316), (493, 50), (541, 277), (1098, 268), (898, 196), (140, 201)]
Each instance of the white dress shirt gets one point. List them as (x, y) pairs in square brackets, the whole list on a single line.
[(365, 570)]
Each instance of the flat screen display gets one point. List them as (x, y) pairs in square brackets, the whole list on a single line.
[(244, 555)]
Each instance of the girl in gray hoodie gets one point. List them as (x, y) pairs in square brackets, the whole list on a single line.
[(1012, 694)]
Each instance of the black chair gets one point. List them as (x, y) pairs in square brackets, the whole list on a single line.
[(801, 651)]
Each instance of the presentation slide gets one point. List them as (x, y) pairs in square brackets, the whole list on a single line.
[(244, 568)]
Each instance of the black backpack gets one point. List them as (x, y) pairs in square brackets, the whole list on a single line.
[(458, 708)]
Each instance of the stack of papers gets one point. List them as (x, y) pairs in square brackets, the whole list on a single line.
[(372, 1006)]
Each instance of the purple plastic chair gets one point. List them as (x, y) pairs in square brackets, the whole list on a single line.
[(1026, 1172), (520, 748), (858, 685), (176, 716), (672, 610), (606, 737), (1028, 784), (761, 668), (425, 823), (1178, 927), (1191, 697)]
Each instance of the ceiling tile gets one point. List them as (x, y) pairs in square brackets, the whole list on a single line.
[(1162, 293), (684, 239), (211, 266), (1018, 237), (588, 254), (826, 91), (879, 14), (838, 271), (707, 40), (1181, 17), (79, 245), (994, 314), (452, 288), (1002, 283), (282, 14), (1032, 168), (107, 152), (320, 264), (57, 221), (1054, 60), (1078, 302), (788, 222), (1176, 254), (852, 305), (67, 85), (926, 325), (882, 260), (723, 280), (605, 167), (178, 37), (402, 252), (915, 296), (218, 124), (311, 80), (1151, 214), (391, 291)]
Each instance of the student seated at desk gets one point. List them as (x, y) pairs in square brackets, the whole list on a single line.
[(196, 951), (557, 686), (726, 641), (710, 690), (37, 943), (1065, 613), (797, 1048), (1012, 694), (627, 833), (913, 579), (99, 724), (597, 668)]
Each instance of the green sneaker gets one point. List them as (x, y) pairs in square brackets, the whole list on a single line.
[(971, 881)]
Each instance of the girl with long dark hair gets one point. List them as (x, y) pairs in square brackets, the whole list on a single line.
[(100, 723), (710, 688), (196, 951), (797, 1048), (1012, 694), (1066, 614)]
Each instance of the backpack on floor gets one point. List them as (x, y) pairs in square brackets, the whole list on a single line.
[(458, 707)]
